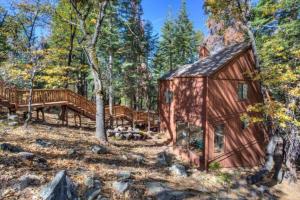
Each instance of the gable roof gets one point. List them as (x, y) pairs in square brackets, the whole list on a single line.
[(208, 65)]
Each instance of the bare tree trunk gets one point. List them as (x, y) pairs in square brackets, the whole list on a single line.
[(110, 89), (99, 94), (29, 114)]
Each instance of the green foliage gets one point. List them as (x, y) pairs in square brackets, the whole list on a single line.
[(178, 44), (214, 166)]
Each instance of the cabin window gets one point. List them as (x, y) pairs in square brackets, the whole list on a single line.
[(245, 124), (168, 96), (219, 138), (242, 91)]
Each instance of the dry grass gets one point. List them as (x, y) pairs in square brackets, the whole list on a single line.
[(121, 157)]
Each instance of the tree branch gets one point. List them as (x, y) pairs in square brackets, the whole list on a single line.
[(100, 17)]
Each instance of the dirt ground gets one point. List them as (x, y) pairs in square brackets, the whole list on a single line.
[(122, 156)]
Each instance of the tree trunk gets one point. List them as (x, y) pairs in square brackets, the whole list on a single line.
[(99, 94), (110, 89), (29, 114)]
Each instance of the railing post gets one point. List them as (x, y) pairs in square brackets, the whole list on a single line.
[(16, 98)]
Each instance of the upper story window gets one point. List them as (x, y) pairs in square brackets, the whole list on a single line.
[(245, 124), (168, 96), (243, 91), (219, 138)]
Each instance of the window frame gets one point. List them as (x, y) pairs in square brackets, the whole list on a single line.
[(242, 91), (168, 96), (222, 128)]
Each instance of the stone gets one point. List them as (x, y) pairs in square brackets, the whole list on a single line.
[(43, 143), (94, 195), (93, 187), (125, 175), (128, 136), (154, 188), (12, 123), (26, 155), (178, 170), (27, 180), (172, 195), (263, 189), (139, 159), (162, 159), (11, 148), (72, 152), (99, 149), (120, 186), (136, 136), (60, 188), (12, 117)]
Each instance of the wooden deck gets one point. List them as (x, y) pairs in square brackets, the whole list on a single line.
[(15, 99)]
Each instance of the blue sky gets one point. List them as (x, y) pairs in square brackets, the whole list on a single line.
[(157, 10)]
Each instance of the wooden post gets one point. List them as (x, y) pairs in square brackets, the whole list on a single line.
[(37, 114), (79, 120), (66, 115), (75, 119), (43, 114)]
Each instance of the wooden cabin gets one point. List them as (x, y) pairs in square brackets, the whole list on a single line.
[(201, 104)]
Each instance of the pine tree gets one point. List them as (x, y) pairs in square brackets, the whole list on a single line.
[(185, 41)]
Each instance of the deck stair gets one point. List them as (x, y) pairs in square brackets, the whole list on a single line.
[(17, 99)]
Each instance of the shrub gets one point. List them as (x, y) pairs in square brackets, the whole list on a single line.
[(214, 166)]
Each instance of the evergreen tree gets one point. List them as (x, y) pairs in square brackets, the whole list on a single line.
[(185, 40)]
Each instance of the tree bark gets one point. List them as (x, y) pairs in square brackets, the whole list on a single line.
[(29, 114), (99, 94), (110, 89)]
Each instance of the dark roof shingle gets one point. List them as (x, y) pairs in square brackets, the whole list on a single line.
[(209, 65)]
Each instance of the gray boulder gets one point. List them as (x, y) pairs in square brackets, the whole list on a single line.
[(12, 123), (99, 149), (43, 143), (178, 170), (163, 159), (93, 188), (60, 188), (26, 155), (125, 175), (26, 181), (12, 117), (11, 148), (120, 186)]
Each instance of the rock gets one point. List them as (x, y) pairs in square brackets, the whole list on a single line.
[(12, 117), (128, 136), (26, 155), (124, 175), (95, 195), (99, 149), (43, 143), (120, 186), (136, 136), (11, 148), (139, 159), (263, 189), (178, 170), (94, 187), (173, 194), (60, 188), (72, 152), (154, 188), (27, 180), (162, 159), (12, 123)]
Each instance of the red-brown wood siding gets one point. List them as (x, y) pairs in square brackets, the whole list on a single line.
[(217, 103), (242, 147)]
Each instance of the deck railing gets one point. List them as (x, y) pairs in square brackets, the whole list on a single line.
[(20, 98)]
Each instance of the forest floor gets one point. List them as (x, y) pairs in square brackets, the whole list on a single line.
[(137, 157)]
